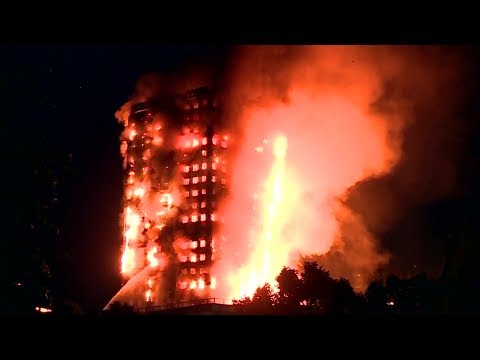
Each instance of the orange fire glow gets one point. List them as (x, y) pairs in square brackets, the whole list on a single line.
[(148, 295), (42, 309), (152, 260), (287, 191), (269, 254)]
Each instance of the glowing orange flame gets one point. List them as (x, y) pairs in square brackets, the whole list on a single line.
[(132, 135), (128, 260), (139, 192), (157, 140), (167, 199), (43, 310), (269, 254), (132, 224), (153, 261)]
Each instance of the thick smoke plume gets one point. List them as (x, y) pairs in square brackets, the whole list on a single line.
[(344, 111)]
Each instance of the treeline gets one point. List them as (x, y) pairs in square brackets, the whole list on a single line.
[(314, 291)]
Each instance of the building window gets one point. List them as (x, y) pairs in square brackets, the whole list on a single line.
[(203, 217), (193, 258), (195, 104), (195, 167), (195, 180), (202, 243), (224, 168), (204, 166), (195, 130), (204, 178), (194, 244), (204, 141), (214, 140), (183, 285), (212, 217), (194, 205), (186, 181), (186, 169), (204, 191), (224, 181), (193, 284), (214, 166), (183, 258), (195, 142), (200, 271), (184, 219), (194, 192), (204, 152), (202, 257), (224, 144), (193, 271), (203, 204), (194, 218), (187, 193), (214, 178)]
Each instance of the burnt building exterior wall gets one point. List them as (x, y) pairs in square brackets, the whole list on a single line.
[(193, 163), (203, 171)]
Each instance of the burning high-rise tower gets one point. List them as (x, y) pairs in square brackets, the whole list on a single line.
[(176, 176)]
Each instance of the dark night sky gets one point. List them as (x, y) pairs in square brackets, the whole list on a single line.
[(66, 96)]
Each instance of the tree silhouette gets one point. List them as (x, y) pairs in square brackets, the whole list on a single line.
[(289, 294), (345, 300), (317, 287), (376, 296), (316, 292), (263, 300)]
